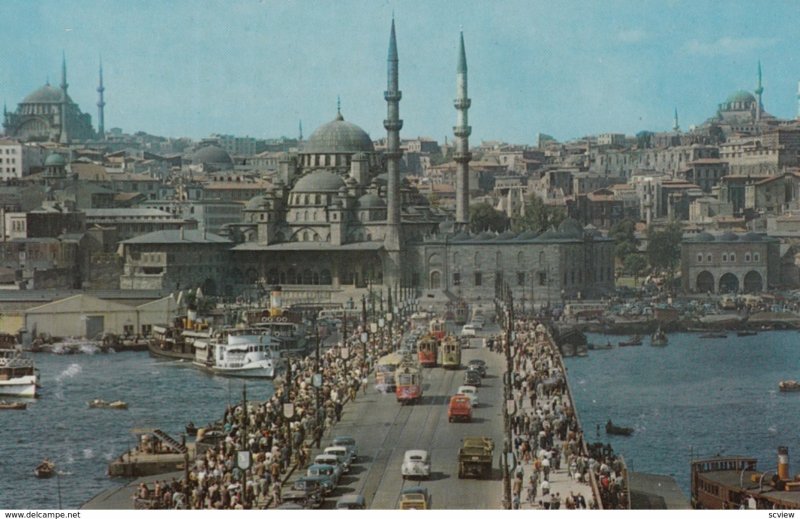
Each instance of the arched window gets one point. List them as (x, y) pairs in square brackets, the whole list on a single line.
[(325, 277)]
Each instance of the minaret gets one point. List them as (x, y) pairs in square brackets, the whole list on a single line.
[(64, 137), (798, 99), (300, 138), (759, 90), (101, 121), (675, 126), (462, 130), (393, 124)]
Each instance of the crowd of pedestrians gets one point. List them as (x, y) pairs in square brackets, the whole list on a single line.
[(546, 434), (274, 440)]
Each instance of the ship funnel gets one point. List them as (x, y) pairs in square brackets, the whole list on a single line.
[(783, 463), (275, 301)]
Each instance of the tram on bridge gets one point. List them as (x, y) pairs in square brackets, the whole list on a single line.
[(427, 350), (409, 382), (451, 352)]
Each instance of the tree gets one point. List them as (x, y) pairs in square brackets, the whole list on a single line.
[(664, 248), (625, 242), (635, 265), (484, 217), (539, 216)]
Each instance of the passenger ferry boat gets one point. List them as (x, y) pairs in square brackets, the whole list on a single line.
[(177, 341), (237, 353), (17, 374), (734, 482)]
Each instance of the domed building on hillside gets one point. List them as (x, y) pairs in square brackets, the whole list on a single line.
[(49, 114), (339, 222)]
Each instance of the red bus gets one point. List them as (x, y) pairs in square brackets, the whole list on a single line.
[(427, 349)]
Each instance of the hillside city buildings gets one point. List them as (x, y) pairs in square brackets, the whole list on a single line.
[(342, 214)]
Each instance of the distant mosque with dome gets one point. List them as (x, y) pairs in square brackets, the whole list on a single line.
[(49, 114), (339, 217)]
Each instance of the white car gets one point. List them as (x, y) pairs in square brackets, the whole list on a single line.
[(416, 464), (469, 329), (471, 392)]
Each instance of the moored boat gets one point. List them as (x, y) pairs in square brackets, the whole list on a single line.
[(636, 340), (714, 335), (237, 352), (18, 375), (789, 386), (102, 404), (12, 406), (659, 338), (745, 333)]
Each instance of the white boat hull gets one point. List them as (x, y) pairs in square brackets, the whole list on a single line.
[(249, 372), (23, 386)]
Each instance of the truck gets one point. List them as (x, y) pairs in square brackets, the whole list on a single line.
[(475, 457)]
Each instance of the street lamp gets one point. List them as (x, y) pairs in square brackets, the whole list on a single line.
[(389, 320), (243, 455), (288, 413)]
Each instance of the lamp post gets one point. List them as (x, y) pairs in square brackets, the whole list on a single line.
[(345, 354), (509, 407), (391, 341), (381, 325), (364, 327), (317, 383), (288, 413), (243, 458)]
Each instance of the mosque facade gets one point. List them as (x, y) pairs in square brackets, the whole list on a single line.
[(339, 220)]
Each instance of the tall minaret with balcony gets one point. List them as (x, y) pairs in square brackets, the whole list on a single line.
[(759, 90), (101, 104), (462, 130), (393, 124), (64, 137)]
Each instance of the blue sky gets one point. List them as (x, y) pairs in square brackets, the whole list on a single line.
[(249, 67)]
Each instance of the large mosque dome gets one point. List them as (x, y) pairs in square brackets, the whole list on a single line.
[(319, 181), (211, 154), (338, 136), (45, 94)]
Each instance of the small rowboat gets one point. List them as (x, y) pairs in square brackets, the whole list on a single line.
[(13, 406), (617, 430), (102, 404), (45, 469)]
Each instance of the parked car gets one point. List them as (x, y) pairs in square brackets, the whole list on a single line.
[(472, 378), (305, 492), (351, 502), (342, 454), (471, 392), (330, 459), (477, 365), (349, 442), (469, 330), (326, 475), (415, 498), (416, 464)]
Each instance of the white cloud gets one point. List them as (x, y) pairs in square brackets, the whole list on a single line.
[(631, 35), (726, 46)]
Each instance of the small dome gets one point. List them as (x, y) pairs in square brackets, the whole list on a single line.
[(728, 236), (211, 155), (550, 234), (462, 236), (741, 96), (571, 228), (752, 236), (527, 235), (371, 201), (485, 236), (703, 237), (256, 203), (338, 136), (318, 181), (45, 94), (54, 159), (508, 235)]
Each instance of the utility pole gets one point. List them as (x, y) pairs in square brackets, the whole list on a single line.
[(364, 326), (318, 429), (244, 443), (509, 394)]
